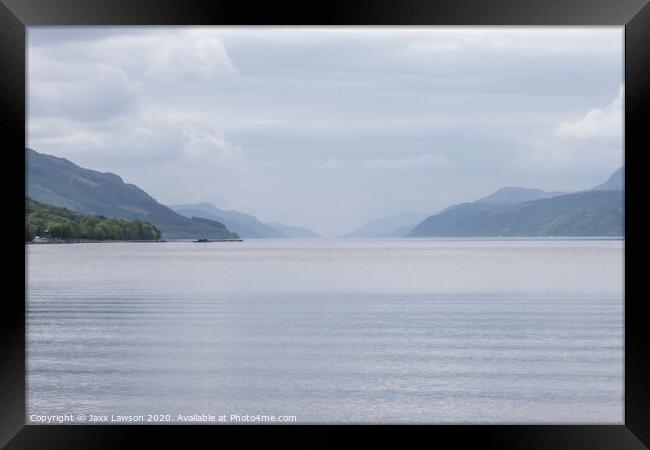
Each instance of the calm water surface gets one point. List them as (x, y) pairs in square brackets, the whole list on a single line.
[(329, 331)]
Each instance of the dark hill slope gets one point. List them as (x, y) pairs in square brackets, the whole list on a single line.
[(589, 213), (59, 182)]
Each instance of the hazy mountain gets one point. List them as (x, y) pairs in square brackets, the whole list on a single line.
[(616, 182), (57, 181), (517, 195), (245, 225), (396, 225), (586, 213), (400, 231), (293, 232)]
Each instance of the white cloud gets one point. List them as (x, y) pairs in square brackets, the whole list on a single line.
[(604, 122), (204, 145), (590, 144), (152, 139), (185, 55), (111, 144)]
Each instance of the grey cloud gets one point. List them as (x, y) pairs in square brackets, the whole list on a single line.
[(91, 92)]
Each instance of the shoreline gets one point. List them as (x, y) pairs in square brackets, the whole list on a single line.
[(111, 241), (85, 241), (413, 239)]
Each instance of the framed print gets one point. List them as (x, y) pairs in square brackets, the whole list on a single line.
[(341, 215)]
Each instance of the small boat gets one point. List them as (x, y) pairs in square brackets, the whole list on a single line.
[(219, 240)]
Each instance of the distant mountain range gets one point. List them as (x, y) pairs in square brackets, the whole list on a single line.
[(532, 212), (510, 211), (59, 182), (246, 225), (294, 232), (395, 225)]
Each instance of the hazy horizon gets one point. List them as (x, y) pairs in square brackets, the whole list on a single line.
[(330, 127)]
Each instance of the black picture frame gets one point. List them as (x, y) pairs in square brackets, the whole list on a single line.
[(16, 15)]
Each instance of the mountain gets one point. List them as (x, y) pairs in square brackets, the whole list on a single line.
[(589, 213), (400, 231), (295, 232), (616, 182), (396, 225), (585, 213), (59, 182), (517, 195), (245, 225)]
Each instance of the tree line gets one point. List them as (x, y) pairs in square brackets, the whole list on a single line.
[(60, 223)]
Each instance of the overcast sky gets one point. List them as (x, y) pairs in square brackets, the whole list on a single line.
[(330, 127)]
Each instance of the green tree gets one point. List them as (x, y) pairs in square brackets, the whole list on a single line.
[(29, 232), (42, 219)]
